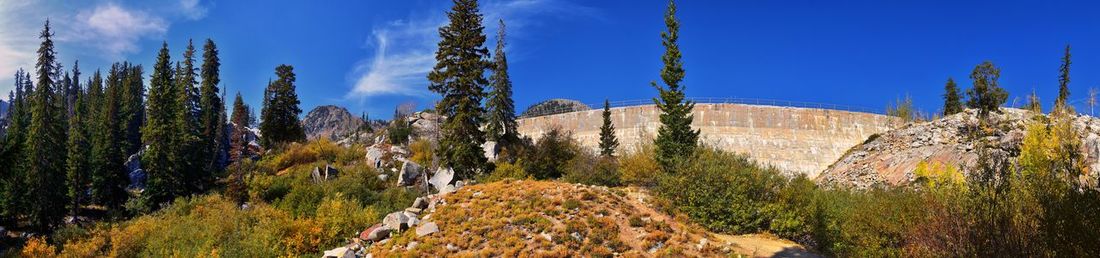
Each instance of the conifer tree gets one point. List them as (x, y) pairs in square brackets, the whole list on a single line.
[(1063, 84), (78, 152), (986, 95), (952, 98), (11, 182), (501, 124), (239, 141), (187, 128), (280, 111), (131, 107), (676, 140), (162, 160), (45, 167), (211, 111), (458, 76), (608, 142), (108, 178)]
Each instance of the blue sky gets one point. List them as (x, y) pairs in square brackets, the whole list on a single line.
[(373, 55)]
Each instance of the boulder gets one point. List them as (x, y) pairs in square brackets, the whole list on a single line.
[(414, 210), (408, 174), (383, 177), (442, 177), (420, 203), (426, 229), (374, 156), (378, 233), (396, 220), (447, 189), (340, 252), (491, 149)]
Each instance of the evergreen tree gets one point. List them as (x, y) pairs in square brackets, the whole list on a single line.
[(952, 98), (108, 177), (501, 124), (163, 155), (608, 142), (192, 149), (239, 139), (280, 111), (211, 108), (676, 140), (1033, 103), (366, 127), (458, 76), (1063, 84), (986, 95), (11, 181), (45, 166), (131, 107), (78, 152)]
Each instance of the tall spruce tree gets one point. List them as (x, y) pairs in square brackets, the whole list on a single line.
[(458, 76), (79, 149), (1060, 104), (11, 182), (188, 131), (676, 140), (211, 108), (986, 95), (163, 158), (45, 165), (108, 178), (501, 124), (239, 138), (608, 142), (952, 98), (131, 107), (280, 111)]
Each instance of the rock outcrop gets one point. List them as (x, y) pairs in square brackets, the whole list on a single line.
[(554, 106), (889, 159), (332, 122)]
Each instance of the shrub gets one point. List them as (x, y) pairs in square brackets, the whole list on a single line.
[(393, 199), (504, 171), (423, 152), (639, 167), (341, 217), (37, 247), (591, 170), (551, 155)]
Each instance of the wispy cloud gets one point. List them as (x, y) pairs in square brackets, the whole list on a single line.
[(404, 50), (192, 9), (114, 29)]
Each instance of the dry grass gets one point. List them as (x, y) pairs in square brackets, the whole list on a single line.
[(515, 218)]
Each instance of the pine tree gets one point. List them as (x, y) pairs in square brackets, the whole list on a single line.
[(108, 178), (985, 95), (132, 108), (1063, 84), (280, 111), (501, 124), (952, 98), (163, 160), (458, 76), (11, 182), (192, 150), (211, 111), (239, 139), (78, 152), (45, 166), (676, 140), (608, 142)]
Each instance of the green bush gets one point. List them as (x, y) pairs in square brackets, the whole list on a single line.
[(504, 171), (591, 170), (549, 158)]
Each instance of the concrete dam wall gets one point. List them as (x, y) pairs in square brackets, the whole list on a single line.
[(800, 140)]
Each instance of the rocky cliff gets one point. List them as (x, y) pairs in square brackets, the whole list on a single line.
[(889, 159), (330, 121)]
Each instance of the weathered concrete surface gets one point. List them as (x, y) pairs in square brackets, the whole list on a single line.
[(799, 140)]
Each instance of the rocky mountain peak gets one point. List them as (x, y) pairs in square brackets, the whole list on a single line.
[(330, 121)]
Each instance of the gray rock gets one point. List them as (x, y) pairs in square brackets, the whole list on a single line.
[(379, 233), (411, 245), (441, 178), (426, 229), (374, 156), (491, 150), (447, 189), (408, 174), (420, 203), (396, 220), (414, 210)]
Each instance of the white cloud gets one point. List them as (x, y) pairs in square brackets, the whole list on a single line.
[(114, 29), (404, 50), (192, 9)]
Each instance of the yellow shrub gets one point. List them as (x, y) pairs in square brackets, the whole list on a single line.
[(506, 170), (937, 174), (422, 152), (88, 247), (639, 167), (37, 247), (340, 217)]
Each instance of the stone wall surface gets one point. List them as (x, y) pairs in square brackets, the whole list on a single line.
[(798, 140)]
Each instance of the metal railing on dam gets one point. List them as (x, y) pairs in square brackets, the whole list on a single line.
[(801, 138), (552, 110)]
